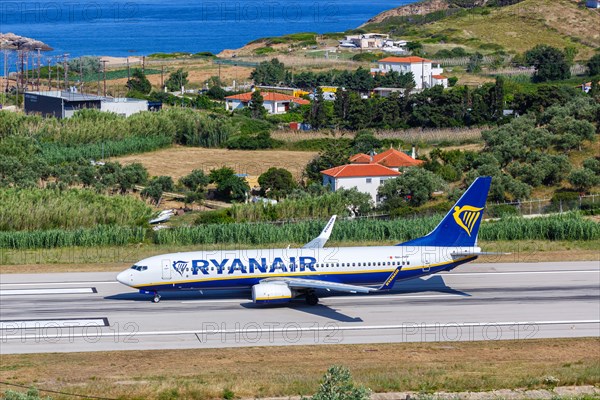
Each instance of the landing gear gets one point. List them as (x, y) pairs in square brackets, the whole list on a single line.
[(156, 298), (312, 299)]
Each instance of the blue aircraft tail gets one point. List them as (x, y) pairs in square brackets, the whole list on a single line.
[(460, 226)]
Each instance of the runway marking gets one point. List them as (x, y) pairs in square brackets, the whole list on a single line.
[(59, 283), (328, 328), (522, 273), (21, 292), (52, 323)]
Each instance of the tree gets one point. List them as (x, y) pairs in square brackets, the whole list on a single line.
[(229, 186), (138, 82), (195, 184), (317, 113), (157, 186), (365, 142), (86, 64), (583, 179), (337, 385), (594, 65), (335, 154), (474, 65), (414, 187), (276, 183), (177, 80), (550, 63), (497, 106), (269, 73), (256, 106)]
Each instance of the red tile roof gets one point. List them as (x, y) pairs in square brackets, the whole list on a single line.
[(360, 158), (404, 60), (359, 170), (439, 77), (268, 96), (395, 159)]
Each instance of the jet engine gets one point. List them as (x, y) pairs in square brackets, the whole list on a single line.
[(271, 293)]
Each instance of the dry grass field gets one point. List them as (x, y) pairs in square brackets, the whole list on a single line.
[(253, 371), (179, 161)]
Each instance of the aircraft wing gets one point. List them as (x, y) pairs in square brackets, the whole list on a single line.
[(319, 241), (300, 283)]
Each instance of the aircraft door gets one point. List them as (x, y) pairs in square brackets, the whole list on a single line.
[(166, 270)]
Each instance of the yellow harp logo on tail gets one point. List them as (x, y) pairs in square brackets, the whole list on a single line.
[(466, 217)]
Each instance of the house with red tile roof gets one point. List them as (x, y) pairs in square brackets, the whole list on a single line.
[(426, 74), (396, 159), (274, 103), (365, 178)]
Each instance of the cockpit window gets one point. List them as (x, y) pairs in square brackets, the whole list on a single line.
[(139, 268)]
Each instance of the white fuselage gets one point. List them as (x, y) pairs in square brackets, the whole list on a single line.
[(226, 269)]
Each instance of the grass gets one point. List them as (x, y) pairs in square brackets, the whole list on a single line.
[(443, 136), (179, 161), (42, 209), (209, 373), (117, 258), (515, 28)]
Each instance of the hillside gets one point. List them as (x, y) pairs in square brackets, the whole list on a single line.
[(514, 28)]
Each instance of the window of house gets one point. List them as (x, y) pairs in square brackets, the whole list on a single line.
[(369, 180)]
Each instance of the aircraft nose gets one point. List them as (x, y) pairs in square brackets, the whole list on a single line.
[(123, 278)]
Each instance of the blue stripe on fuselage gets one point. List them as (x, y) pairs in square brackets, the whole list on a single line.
[(351, 278)]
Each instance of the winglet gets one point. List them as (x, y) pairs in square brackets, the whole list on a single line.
[(389, 282), (319, 241)]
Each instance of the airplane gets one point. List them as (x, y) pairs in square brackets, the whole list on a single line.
[(281, 275)]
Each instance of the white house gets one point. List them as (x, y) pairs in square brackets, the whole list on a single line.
[(425, 73), (593, 3), (274, 103), (365, 178), (365, 41), (123, 106)]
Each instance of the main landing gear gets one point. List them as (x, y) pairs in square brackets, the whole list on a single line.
[(156, 298), (311, 298)]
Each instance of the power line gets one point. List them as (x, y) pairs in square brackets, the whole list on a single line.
[(56, 392)]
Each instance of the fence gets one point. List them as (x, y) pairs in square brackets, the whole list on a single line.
[(543, 206)]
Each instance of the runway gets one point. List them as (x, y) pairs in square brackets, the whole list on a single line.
[(92, 312)]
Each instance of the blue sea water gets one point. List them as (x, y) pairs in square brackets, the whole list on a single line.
[(141, 27)]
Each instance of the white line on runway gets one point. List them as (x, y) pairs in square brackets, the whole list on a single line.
[(522, 273), (51, 324), (328, 328), (20, 292), (59, 283)]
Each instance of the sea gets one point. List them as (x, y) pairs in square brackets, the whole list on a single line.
[(141, 27)]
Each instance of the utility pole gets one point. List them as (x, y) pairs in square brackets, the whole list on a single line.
[(162, 74), (104, 72), (128, 70), (81, 74), (66, 70), (57, 73), (144, 64), (49, 61), (39, 66), (5, 71)]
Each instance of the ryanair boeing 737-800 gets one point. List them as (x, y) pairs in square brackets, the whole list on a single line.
[(280, 275)]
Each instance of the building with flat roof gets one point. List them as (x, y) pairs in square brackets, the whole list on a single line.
[(63, 104), (425, 74)]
